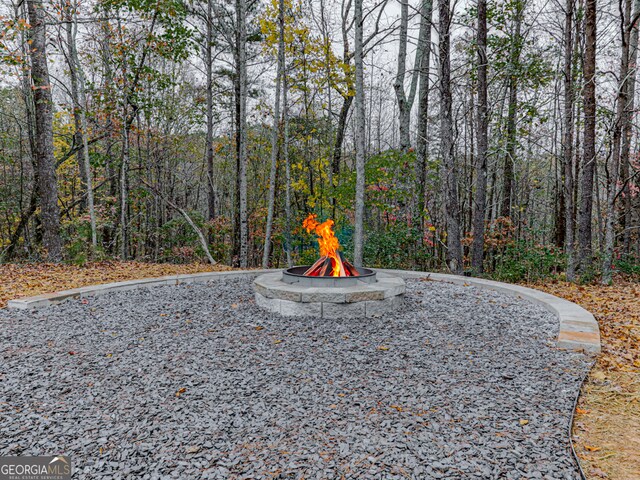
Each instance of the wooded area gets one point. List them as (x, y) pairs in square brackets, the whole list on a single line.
[(492, 137)]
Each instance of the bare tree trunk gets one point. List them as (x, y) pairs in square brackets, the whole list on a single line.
[(589, 159), (614, 164), (406, 102), (211, 193), (512, 111), (358, 238), (454, 247), (287, 165), (274, 139), (78, 93), (423, 109), (628, 130), (340, 131), (479, 213), (567, 140), (124, 189), (47, 181), (241, 128)]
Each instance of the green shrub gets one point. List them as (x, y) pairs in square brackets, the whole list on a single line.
[(524, 261)]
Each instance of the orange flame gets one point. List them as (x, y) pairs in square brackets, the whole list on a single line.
[(327, 240)]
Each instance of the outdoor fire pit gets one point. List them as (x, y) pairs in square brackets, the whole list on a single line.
[(331, 287)]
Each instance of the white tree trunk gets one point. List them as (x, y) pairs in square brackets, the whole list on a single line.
[(358, 237)]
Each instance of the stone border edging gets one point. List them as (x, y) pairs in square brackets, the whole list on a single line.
[(46, 299), (578, 327), (578, 330)]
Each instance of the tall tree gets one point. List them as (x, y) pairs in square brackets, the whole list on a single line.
[(628, 127), (512, 111), (613, 169), (452, 208), (241, 130), (405, 102), (424, 47), (567, 140), (358, 238), (208, 56), (274, 137), (79, 98), (584, 257), (480, 200), (47, 181)]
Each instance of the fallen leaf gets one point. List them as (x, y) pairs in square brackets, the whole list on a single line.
[(524, 422), (181, 391), (590, 448), (384, 348)]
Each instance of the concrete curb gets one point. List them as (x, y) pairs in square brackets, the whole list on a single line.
[(578, 328), (44, 300)]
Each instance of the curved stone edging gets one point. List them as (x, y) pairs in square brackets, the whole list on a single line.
[(46, 299), (578, 327)]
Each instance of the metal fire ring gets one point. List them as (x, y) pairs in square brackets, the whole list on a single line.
[(296, 275)]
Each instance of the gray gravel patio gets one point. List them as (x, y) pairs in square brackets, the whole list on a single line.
[(195, 381)]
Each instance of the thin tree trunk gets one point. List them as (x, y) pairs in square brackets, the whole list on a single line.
[(454, 247), (479, 213), (124, 189), (287, 165), (406, 102), (274, 139), (241, 128), (628, 130), (47, 181), (589, 156), (358, 237), (567, 141), (188, 219), (211, 193), (423, 111), (614, 165), (78, 86), (512, 111)]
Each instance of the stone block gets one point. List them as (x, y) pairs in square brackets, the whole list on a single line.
[(271, 304), (361, 294), (343, 310), (379, 308), (299, 309), (319, 294)]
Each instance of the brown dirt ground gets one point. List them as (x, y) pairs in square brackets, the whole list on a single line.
[(606, 430), (23, 280)]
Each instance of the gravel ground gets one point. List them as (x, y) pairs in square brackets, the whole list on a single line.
[(197, 382)]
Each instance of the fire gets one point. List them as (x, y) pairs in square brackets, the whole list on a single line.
[(329, 246)]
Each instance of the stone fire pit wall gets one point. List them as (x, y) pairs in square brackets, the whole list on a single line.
[(353, 301)]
